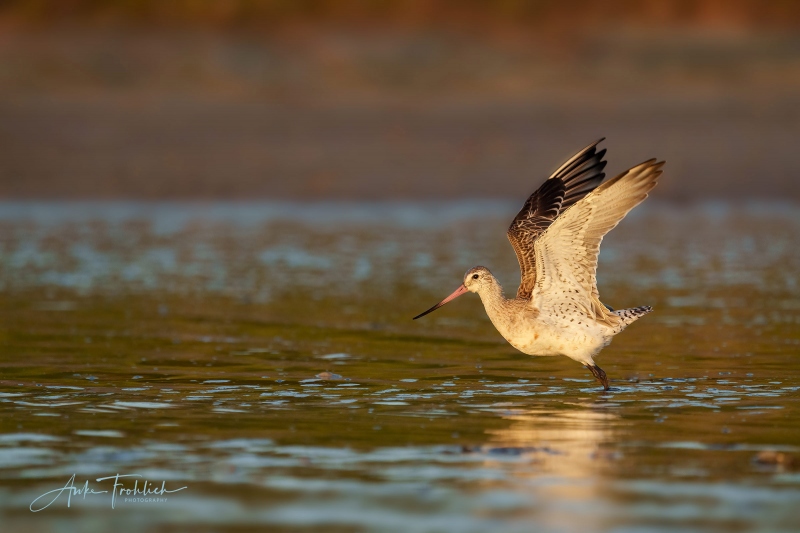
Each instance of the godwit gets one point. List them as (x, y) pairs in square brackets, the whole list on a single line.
[(556, 236)]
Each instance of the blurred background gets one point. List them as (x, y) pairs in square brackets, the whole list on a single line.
[(392, 99)]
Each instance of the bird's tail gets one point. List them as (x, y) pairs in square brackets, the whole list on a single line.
[(633, 314)]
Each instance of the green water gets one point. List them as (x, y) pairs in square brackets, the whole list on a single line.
[(263, 357)]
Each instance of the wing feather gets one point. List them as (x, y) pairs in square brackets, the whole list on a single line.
[(565, 255), (576, 178)]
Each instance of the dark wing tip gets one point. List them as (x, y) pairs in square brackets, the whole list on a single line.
[(576, 178), (582, 174)]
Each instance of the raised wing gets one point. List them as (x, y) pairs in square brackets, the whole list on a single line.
[(566, 254), (575, 179)]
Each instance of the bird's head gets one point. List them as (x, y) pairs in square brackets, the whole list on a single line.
[(475, 280)]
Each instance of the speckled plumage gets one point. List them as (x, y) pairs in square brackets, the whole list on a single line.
[(557, 236)]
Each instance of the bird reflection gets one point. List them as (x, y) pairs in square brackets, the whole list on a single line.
[(574, 442)]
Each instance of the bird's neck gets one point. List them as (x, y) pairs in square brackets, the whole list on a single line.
[(500, 310), (493, 299)]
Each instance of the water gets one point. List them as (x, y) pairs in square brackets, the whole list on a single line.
[(263, 357)]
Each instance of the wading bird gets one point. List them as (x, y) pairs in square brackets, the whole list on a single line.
[(556, 236)]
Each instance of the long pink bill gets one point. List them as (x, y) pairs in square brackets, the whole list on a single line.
[(458, 292)]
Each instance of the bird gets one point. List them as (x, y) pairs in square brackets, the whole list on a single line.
[(556, 237)]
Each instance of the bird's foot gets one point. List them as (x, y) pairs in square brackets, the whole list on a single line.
[(600, 375)]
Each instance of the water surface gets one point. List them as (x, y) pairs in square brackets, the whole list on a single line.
[(263, 356)]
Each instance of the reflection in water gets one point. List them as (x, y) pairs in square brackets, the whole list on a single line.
[(568, 452), (572, 439), (264, 356)]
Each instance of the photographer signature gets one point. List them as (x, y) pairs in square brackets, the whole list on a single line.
[(148, 491)]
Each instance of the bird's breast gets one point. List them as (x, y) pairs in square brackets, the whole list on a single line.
[(527, 334)]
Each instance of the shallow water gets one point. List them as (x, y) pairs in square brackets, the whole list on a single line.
[(263, 357)]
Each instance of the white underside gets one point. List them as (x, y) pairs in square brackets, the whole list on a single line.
[(578, 338)]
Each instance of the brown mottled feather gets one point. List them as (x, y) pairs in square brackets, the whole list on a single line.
[(576, 178)]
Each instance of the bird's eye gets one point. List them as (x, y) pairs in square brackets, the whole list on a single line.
[(475, 276)]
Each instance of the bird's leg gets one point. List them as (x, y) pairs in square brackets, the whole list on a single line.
[(599, 375)]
